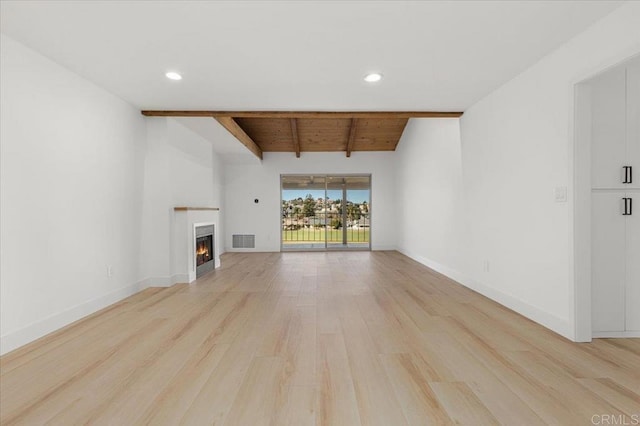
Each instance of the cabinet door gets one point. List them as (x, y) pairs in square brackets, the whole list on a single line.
[(633, 265), (608, 251), (608, 129), (633, 120)]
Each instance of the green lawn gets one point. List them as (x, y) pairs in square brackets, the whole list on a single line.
[(317, 235)]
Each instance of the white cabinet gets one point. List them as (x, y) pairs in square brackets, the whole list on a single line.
[(608, 270), (615, 201), (608, 129), (633, 121)]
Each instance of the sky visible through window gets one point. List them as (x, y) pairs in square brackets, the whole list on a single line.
[(353, 195)]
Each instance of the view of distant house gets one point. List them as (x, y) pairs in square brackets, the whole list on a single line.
[(319, 213)]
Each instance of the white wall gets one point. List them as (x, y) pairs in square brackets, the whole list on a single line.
[(429, 189), (516, 147), (71, 191), (181, 169), (244, 183), (87, 183)]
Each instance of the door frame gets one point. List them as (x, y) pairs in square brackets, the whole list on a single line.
[(326, 248), (580, 170)]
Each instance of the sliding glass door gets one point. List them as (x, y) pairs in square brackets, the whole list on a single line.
[(326, 212), (303, 212)]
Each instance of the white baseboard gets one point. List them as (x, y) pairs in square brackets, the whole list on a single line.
[(615, 334), (251, 250), (157, 282), (187, 277), (550, 321), (179, 279), (38, 329), (375, 247)]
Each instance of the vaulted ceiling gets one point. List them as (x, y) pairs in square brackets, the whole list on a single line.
[(306, 131)]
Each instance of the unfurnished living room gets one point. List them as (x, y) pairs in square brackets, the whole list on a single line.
[(320, 212)]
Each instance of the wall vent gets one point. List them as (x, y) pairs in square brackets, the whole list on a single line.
[(244, 241)]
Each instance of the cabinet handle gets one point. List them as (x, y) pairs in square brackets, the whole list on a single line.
[(628, 206), (628, 174)]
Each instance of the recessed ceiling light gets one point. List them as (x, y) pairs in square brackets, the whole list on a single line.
[(373, 77), (173, 76)]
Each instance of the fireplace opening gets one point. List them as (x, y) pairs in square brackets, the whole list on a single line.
[(204, 250)]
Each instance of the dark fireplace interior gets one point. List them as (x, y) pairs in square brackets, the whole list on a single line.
[(204, 249)]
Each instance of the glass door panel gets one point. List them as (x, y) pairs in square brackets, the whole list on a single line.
[(303, 212), (358, 217), (336, 196)]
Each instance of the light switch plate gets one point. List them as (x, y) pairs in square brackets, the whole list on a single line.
[(560, 194)]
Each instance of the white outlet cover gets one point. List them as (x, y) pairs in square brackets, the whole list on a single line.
[(560, 194)]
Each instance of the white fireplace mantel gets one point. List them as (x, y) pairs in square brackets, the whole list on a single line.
[(183, 240)]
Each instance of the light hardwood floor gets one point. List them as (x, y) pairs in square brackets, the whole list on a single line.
[(350, 338)]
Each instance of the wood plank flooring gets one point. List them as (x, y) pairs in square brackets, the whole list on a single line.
[(369, 338)]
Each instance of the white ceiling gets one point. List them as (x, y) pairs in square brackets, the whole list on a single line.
[(306, 55)]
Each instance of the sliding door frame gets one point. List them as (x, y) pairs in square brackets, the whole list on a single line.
[(326, 177)]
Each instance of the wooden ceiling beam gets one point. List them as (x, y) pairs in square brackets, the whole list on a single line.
[(230, 124), (295, 136), (305, 114), (352, 135)]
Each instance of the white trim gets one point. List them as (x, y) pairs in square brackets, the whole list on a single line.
[(180, 279), (580, 215), (40, 328), (615, 334), (251, 250), (550, 321), (156, 282), (580, 232), (384, 247)]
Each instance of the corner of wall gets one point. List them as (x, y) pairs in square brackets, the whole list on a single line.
[(550, 321)]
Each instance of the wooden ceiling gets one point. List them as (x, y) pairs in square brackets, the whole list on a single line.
[(307, 131)]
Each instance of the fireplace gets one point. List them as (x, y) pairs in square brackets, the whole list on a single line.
[(204, 250)]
